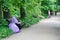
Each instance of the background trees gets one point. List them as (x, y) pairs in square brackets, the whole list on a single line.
[(0, 10), (28, 11), (49, 5), (58, 5)]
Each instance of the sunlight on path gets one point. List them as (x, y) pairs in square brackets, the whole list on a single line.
[(48, 29)]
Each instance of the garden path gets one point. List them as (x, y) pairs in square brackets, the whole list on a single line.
[(47, 29)]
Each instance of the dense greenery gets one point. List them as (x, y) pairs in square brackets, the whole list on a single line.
[(4, 30), (28, 11)]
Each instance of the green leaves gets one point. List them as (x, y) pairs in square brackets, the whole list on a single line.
[(31, 7), (4, 29), (37, 7), (4, 32)]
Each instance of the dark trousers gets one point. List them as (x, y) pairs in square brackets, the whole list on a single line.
[(19, 25)]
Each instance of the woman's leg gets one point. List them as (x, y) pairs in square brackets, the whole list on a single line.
[(19, 26)]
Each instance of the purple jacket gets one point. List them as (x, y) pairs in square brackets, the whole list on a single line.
[(14, 27), (14, 19)]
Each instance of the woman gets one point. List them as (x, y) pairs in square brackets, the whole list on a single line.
[(14, 20), (13, 27)]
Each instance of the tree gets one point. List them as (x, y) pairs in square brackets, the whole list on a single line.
[(49, 5), (22, 10), (45, 6), (6, 10), (58, 2), (18, 4), (0, 10), (58, 5), (6, 13)]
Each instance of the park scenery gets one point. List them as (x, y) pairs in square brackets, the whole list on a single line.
[(29, 19)]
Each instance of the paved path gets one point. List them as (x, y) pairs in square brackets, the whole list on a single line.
[(47, 29)]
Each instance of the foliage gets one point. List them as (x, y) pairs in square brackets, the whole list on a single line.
[(4, 30), (49, 5), (31, 7), (58, 5), (38, 8), (58, 2)]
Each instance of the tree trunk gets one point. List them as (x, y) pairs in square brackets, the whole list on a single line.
[(22, 12), (55, 12), (49, 13), (6, 13), (0, 11)]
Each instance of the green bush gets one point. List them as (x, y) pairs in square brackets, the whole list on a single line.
[(5, 31)]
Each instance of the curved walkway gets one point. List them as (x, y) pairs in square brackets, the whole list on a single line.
[(47, 29)]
